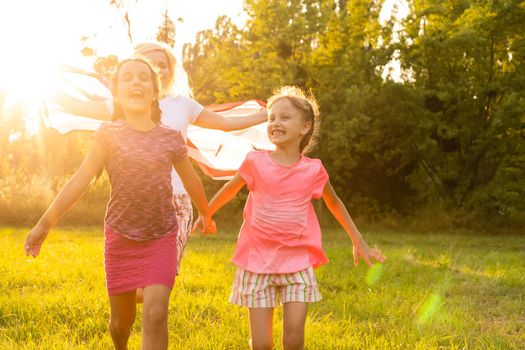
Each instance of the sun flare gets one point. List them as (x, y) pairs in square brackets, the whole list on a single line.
[(27, 72), (26, 85), (37, 36)]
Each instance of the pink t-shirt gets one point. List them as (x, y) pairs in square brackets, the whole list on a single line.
[(280, 233)]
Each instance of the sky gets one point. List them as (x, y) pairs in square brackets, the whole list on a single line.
[(35, 35)]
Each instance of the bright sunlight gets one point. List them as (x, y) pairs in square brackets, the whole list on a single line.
[(36, 36)]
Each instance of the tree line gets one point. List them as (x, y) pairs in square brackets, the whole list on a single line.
[(448, 133), (444, 130)]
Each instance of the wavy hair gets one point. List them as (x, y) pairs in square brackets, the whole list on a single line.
[(306, 105)]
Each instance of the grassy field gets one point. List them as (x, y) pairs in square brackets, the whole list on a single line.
[(455, 290)]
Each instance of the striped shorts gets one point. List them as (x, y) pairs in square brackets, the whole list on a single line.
[(256, 290)]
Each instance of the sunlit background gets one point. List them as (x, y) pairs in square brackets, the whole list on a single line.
[(434, 162), (35, 36)]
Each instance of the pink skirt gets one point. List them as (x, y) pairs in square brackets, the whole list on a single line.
[(133, 264)]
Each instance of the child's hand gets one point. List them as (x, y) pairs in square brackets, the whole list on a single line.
[(211, 227), (198, 226), (361, 249), (34, 240), (204, 226), (207, 225)]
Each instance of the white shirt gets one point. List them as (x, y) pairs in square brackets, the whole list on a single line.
[(178, 112)]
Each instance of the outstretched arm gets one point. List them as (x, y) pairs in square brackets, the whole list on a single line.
[(93, 109), (226, 193), (338, 210), (193, 185), (211, 120), (67, 196), (221, 198)]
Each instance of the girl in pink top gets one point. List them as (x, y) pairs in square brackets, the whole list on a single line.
[(141, 220), (280, 240)]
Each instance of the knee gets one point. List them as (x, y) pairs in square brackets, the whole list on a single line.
[(120, 324), (293, 339), (154, 316), (261, 344)]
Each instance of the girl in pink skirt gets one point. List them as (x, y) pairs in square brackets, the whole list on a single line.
[(280, 240), (141, 221), (178, 112)]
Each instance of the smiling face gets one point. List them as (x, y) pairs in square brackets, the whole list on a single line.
[(160, 61), (286, 126), (134, 87)]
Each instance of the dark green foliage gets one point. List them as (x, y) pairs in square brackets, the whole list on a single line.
[(451, 133)]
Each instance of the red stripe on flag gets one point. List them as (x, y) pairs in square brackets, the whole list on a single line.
[(216, 174), (227, 106)]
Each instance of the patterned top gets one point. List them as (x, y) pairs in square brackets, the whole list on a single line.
[(139, 166), (178, 112), (280, 232)]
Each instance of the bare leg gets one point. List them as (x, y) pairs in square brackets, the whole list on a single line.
[(123, 311), (140, 295), (261, 321), (155, 317), (294, 317), (184, 212)]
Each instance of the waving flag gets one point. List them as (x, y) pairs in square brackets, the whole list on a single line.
[(82, 85), (218, 153)]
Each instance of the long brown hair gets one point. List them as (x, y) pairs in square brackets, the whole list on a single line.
[(118, 113), (307, 106)]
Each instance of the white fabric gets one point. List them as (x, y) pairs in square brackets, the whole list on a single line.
[(218, 153), (78, 84), (223, 150), (178, 112)]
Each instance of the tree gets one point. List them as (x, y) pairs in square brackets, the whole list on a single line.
[(473, 126), (213, 63), (106, 66), (273, 49), (363, 137), (166, 33), (452, 133)]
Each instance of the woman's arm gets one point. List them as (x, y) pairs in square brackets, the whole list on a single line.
[(93, 109), (211, 120), (67, 196), (338, 210)]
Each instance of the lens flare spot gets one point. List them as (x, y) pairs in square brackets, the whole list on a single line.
[(374, 274), (429, 308)]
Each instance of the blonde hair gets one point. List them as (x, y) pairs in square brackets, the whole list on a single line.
[(144, 48), (306, 105)]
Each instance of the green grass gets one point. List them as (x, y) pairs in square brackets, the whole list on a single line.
[(456, 290)]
